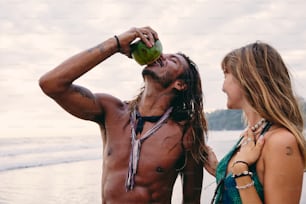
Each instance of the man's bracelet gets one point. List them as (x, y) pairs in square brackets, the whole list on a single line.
[(118, 43)]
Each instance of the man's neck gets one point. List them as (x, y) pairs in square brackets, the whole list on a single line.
[(154, 104)]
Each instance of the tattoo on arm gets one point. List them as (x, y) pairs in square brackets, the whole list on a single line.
[(99, 47), (289, 151), (83, 92)]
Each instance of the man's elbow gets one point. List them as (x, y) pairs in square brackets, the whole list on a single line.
[(49, 86)]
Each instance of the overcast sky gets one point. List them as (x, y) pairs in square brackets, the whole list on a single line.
[(37, 35)]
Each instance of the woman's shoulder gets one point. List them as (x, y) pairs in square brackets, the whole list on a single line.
[(280, 141), (279, 136)]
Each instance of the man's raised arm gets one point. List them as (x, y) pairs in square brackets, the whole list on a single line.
[(77, 100)]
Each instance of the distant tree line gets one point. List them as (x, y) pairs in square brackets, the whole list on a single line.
[(233, 119)]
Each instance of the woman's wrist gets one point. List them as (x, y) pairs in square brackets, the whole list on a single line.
[(242, 174), (240, 161), (239, 167)]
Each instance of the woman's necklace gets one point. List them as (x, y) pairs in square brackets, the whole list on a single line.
[(258, 125)]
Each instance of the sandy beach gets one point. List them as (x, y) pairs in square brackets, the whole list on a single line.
[(76, 182)]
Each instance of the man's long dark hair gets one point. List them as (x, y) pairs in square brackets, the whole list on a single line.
[(188, 108)]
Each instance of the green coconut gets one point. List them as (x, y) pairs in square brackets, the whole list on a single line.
[(144, 55)]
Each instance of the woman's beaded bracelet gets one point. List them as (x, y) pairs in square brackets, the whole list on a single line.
[(244, 173), (245, 186)]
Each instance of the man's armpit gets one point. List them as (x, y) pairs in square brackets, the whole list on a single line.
[(83, 92)]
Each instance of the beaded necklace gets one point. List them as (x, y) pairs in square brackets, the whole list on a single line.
[(258, 124)]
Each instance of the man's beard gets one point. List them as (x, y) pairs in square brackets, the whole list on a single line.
[(164, 81)]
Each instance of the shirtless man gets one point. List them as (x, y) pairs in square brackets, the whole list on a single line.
[(140, 167)]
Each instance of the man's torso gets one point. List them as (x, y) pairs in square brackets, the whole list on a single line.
[(158, 162)]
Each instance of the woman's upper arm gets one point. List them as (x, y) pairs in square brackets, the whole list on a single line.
[(283, 169)]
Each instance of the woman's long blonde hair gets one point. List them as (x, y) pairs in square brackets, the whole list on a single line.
[(266, 82)]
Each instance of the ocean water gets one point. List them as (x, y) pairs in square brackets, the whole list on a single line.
[(55, 170), (27, 152)]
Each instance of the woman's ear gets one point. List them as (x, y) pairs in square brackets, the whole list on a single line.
[(180, 85)]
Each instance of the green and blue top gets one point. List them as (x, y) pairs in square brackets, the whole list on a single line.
[(226, 191)]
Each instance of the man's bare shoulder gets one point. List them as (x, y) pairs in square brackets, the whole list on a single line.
[(110, 101), (187, 137)]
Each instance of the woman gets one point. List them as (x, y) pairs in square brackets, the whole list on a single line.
[(267, 163)]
